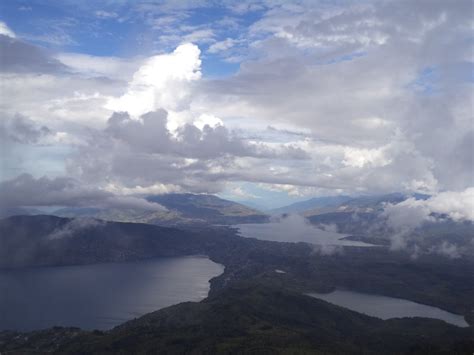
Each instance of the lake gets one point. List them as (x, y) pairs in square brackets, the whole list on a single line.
[(100, 296), (295, 228), (387, 307)]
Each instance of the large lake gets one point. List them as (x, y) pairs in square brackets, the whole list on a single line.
[(100, 296), (295, 228), (387, 307)]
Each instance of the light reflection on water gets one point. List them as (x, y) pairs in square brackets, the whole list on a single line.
[(100, 296), (295, 229), (387, 307)]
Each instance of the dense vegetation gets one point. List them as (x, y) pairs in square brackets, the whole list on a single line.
[(255, 318), (251, 307)]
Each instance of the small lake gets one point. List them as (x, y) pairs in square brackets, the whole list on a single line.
[(387, 307), (100, 296), (295, 228)]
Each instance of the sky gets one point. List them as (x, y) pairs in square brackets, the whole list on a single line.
[(268, 102)]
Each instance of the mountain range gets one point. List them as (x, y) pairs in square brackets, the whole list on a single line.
[(316, 202), (179, 209), (201, 209), (329, 204)]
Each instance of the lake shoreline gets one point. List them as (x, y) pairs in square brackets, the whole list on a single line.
[(101, 295), (384, 307)]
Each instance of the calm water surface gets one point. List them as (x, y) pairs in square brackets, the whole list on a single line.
[(100, 296), (387, 307), (295, 229)]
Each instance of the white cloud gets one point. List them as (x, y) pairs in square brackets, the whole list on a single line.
[(199, 36), (238, 193), (206, 119), (344, 73), (458, 205), (5, 30), (110, 67), (361, 157), (163, 81), (106, 14), (155, 189), (372, 122), (404, 217), (222, 45), (58, 100), (337, 81)]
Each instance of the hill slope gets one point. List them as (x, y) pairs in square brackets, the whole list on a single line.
[(251, 308), (182, 209), (49, 240), (209, 208), (328, 204), (254, 319), (313, 203)]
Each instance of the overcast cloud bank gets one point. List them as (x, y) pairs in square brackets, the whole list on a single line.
[(327, 99)]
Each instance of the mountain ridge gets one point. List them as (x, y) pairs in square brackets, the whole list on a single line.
[(180, 209), (326, 204), (325, 201)]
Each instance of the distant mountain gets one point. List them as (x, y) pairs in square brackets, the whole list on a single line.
[(182, 209), (365, 204), (369, 224), (16, 211), (317, 202), (209, 208), (254, 204), (372, 202), (329, 204)]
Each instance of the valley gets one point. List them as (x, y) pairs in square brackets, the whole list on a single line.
[(259, 269), (250, 177)]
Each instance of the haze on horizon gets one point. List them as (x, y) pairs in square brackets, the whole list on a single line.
[(270, 102)]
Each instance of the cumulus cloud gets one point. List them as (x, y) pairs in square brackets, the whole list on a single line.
[(457, 205), (22, 129), (372, 56), (190, 158), (163, 81), (6, 31), (149, 134), (370, 89), (361, 157), (405, 217)]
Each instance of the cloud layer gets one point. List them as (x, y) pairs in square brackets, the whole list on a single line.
[(325, 99), (25, 190)]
